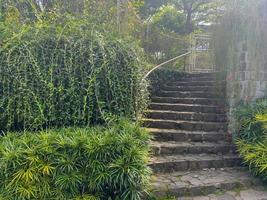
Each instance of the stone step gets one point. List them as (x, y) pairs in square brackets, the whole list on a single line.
[(165, 135), (185, 125), (197, 83), (200, 101), (204, 182), (192, 88), (197, 79), (253, 191), (174, 148), (188, 116), (190, 94), (192, 162), (204, 74), (187, 108)]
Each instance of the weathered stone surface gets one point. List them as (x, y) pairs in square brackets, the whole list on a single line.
[(189, 94), (191, 148), (254, 193), (173, 163), (196, 83), (199, 101), (205, 88), (184, 125), (172, 147), (204, 182), (187, 108), (181, 135), (189, 116), (197, 79)]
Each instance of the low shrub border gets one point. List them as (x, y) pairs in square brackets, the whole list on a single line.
[(252, 140), (106, 163), (251, 126)]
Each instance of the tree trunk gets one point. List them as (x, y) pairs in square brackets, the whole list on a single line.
[(188, 9), (189, 24)]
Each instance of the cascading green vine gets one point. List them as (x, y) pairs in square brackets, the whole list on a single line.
[(67, 75)]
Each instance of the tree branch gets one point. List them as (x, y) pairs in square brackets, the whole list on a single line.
[(200, 4)]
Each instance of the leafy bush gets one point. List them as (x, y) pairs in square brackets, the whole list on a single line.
[(252, 145), (108, 163), (251, 118), (65, 75), (255, 156), (162, 76), (169, 18)]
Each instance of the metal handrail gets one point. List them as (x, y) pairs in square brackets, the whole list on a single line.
[(166, 62)]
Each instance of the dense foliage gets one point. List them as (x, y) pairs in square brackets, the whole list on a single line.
[(160, 77), (69, 74), (163, 39), (169, 24), (71, 64), (118, 16), (254, 153), (75, 163), (169, 18), (250, 117), (194, 12), (252, 143)]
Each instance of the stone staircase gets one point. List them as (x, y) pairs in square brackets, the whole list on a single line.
[(192, 153)]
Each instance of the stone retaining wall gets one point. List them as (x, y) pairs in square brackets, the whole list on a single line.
[(247, 80)]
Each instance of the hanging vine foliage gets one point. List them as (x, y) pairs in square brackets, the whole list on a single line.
[(67, 75)]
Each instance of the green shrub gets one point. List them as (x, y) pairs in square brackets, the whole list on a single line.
[(108, 163), (251, 117), (252, 144), (162, 76), (64, 75), (254, 155)]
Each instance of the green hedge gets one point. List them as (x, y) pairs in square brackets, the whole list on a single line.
[(248, 115), (252, 141), (64, 75), (254, 155), (107, 163), (162, 76)]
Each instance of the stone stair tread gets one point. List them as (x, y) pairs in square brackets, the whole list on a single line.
[(189, 100), (212, 94), (202, 182), (187, 86), (195, 81), (186, 92), (190, 157), (201, 74), (189, 147), (182, 121), (183, 136), (190, 144), (182, 112), (187, 108), (190, 94), (175, 131), (193, 115), (188, 105), (201, 88)]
